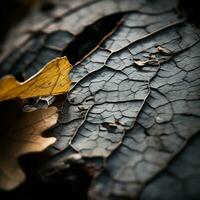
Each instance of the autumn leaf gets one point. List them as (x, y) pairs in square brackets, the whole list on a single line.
[(24, 136), (52, 79), (134, 104)]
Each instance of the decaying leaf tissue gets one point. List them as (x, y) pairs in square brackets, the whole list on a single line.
[(99, 100)]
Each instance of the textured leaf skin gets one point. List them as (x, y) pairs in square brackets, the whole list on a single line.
[(182, 173), (134, 103)]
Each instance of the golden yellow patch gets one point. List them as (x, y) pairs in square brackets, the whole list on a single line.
[(52, 79)]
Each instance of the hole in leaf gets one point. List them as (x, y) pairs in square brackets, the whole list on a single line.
[(92, 35), (191, 10)]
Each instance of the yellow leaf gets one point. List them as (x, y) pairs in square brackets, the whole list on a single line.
[(52, 79), (21, 134)]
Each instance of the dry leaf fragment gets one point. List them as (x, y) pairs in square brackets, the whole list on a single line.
[(140, 62), (152, 60), (163, 50), (24, 136), (52, 79)]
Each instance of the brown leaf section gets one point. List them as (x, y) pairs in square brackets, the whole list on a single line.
[(52, 79), (20, 133)]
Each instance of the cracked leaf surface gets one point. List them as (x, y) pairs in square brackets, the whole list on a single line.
[(137, 103), (128, 32), (181, 173)]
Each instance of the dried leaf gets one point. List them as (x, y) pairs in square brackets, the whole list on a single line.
[(24, 136), (128, 120), (52, 79), (153, 105)]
